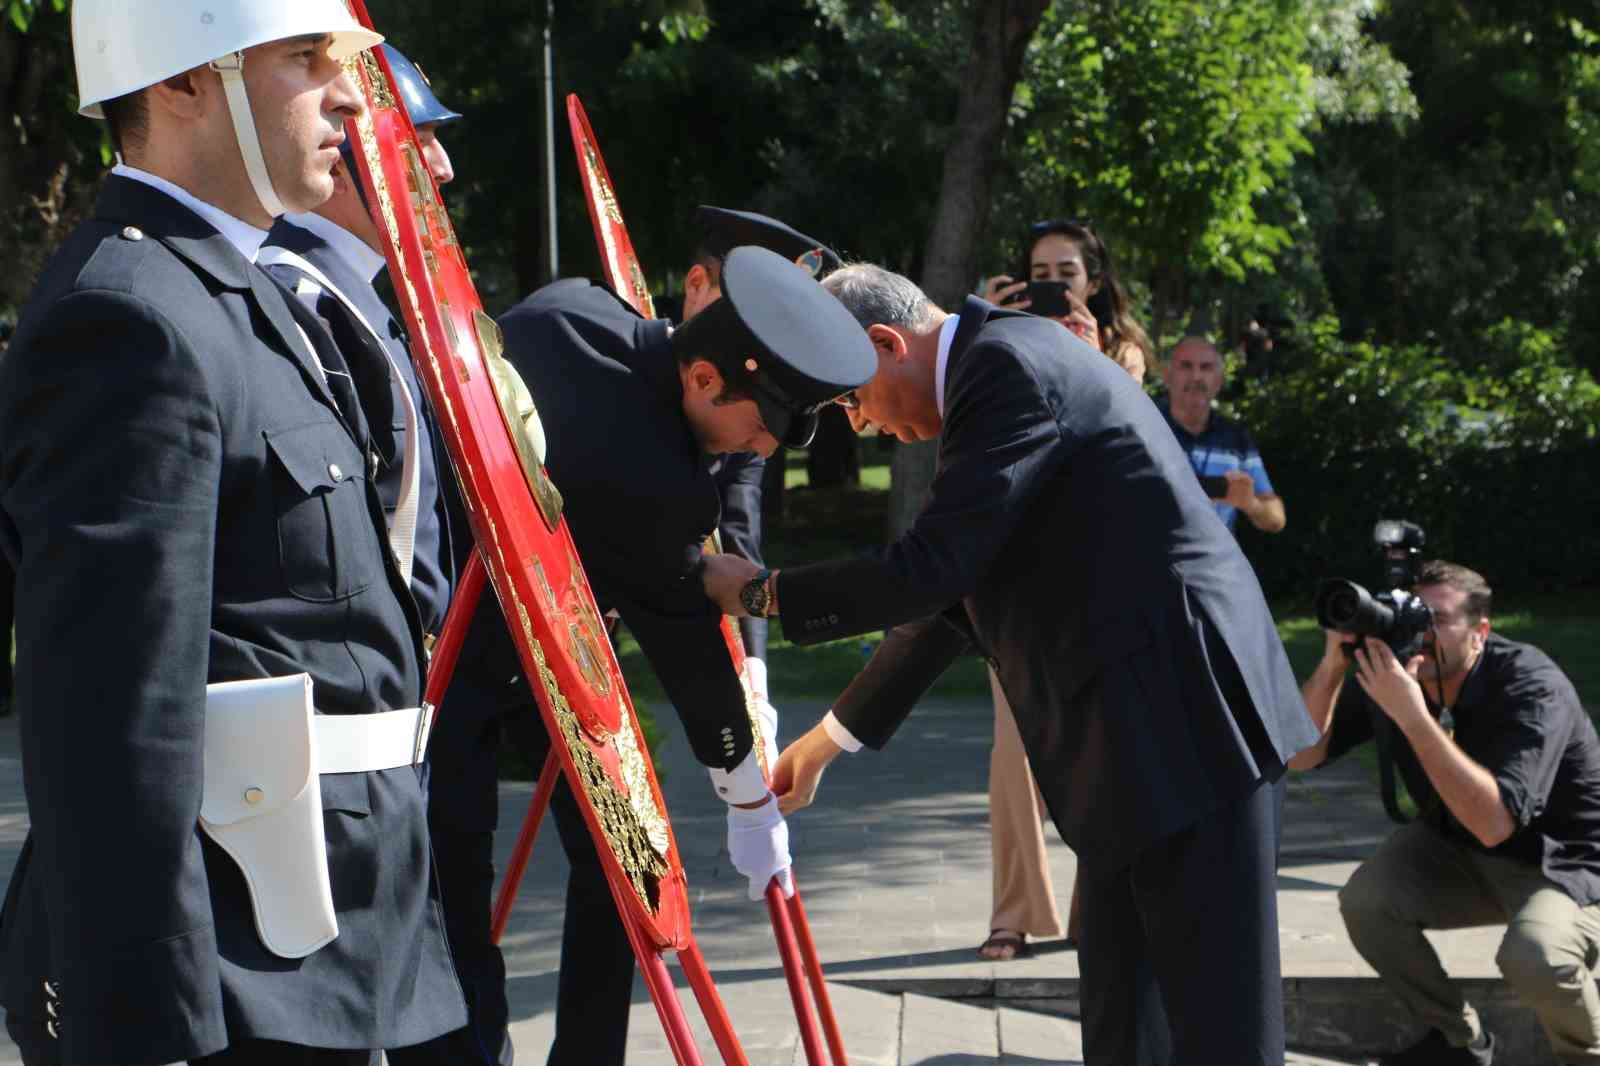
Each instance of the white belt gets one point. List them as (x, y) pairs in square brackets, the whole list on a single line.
[(358, 743)]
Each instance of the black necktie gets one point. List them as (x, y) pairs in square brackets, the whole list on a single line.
[(364, 373)]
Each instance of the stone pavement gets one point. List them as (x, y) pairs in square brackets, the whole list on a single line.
[(894, 864)]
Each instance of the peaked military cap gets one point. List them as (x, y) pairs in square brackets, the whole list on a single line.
[(780, 338), (725, 230)]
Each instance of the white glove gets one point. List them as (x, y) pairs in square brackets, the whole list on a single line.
[(758, 844), (767, 714)]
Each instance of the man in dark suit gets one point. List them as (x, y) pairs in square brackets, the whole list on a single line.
[(631, 432), (1067, 537), (184, 494)]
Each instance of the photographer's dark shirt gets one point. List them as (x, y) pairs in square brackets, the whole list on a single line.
[(1519, 717)]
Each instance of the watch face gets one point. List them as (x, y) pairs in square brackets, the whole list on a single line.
[(754, 595)]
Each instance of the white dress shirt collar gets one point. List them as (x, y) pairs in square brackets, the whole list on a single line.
[(356, 253), (241, 234), (947, 335)]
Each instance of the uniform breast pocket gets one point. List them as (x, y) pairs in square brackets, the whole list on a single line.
[(327, 545)]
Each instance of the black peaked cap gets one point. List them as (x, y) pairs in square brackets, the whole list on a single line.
[(724, 230), (781, 338)]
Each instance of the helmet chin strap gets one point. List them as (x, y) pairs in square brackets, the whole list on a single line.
[(231, 69)]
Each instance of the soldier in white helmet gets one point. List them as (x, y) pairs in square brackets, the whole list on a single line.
[(213, 872)]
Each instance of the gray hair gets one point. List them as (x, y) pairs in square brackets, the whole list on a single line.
[(879, 297)]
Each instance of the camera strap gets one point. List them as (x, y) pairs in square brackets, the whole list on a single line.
[(1383, 731)]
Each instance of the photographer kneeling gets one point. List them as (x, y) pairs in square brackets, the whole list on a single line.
[(1509, 823)]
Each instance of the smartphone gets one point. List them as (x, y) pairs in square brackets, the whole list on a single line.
[(1046, 298), (1214, 485)]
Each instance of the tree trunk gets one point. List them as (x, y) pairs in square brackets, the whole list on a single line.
[(834, 459), (1169, 298), (1000, 36)]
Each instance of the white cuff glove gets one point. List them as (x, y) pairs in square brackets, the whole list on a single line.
[(745, 783), (767, 714), (758, 844)]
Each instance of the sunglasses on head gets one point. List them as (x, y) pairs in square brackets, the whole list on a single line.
[(1050, 225)]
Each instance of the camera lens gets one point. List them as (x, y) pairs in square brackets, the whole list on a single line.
[(1349, 608)]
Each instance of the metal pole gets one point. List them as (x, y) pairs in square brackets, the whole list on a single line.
[(552, 238)]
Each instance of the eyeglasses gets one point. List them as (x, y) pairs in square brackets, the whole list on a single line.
[(810, 262), (849, 401), (1050, 225)]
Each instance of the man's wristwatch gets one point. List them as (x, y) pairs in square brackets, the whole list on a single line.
[(755, 596)]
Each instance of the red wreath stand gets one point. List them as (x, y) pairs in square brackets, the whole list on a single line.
[(525, 552)]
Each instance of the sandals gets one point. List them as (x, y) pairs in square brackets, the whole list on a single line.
[(1004, 945)]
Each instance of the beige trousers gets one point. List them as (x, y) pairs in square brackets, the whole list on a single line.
[(1419, 880), (1024, 898)]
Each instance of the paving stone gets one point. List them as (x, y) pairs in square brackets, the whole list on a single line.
[(938, 1032), (894, 863), (1028, 1037)]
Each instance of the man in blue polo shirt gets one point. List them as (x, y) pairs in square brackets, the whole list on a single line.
[(1218, 447)]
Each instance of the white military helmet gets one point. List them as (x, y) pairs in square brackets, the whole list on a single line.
[(121, 46)]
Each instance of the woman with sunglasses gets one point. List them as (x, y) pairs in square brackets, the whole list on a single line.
[(1069, 250)]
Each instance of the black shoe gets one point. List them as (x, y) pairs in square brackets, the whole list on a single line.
[(1435, 1050)]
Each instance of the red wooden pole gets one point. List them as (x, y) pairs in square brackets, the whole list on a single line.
[(456, 623), (716, 1015), (819, 988), (656, 978), (790, 953), (549, 774)]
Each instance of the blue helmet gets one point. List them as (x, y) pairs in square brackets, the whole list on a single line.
[(424, 107)]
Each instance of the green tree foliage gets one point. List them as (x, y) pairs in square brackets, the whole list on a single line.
[(1486, 207), (1495, 461), (1167, 122)]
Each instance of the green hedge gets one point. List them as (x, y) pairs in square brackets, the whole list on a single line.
[(1493, 452)]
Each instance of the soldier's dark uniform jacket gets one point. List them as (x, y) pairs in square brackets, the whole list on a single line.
[(739, 478), (433, 567), (186, 502), (640, 498)]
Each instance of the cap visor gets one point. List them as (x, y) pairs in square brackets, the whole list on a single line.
[(791, 430), (802, 430)]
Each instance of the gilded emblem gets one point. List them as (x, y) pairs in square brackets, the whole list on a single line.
[(635, 829), (602, 187), (586, 631), (544, 586)]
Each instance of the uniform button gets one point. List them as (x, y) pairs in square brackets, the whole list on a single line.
[(253, 796), (335, 472), (132, 233), (372, 464)]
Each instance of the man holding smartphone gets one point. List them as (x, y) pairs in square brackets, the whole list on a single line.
[(1222, 451)]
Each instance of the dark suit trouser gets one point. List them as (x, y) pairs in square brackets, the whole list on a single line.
[(1179, 951), (595, 987)]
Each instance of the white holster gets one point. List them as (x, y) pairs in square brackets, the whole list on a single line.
[(261, 802)]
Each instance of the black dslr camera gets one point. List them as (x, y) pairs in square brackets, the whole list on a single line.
[(1397, 617)]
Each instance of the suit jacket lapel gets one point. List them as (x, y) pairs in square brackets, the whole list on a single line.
[(974, 313)]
